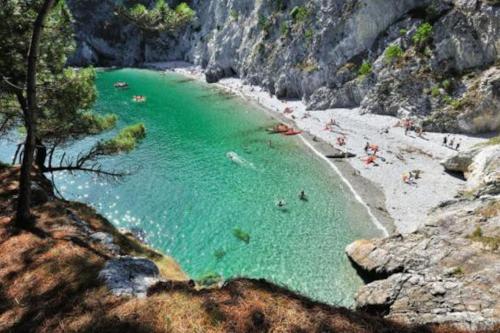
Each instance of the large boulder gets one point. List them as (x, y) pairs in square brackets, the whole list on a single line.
[(39, 195), (480, 166), (214, 74)]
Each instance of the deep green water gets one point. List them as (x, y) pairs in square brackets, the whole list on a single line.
[(188, 196)]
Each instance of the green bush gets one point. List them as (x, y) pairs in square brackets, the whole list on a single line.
[(435, 91), (299, 14), (308, 66), (125, 141), (209, 279), (308, 35), (393, 52), (423, 35), (234, 15), (447, 85), (365, 69), (185, 11), (284, 29), (264, 24)]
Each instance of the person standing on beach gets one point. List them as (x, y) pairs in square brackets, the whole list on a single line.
[(452, 141), (445, 140), (367, 147), (458, 146)]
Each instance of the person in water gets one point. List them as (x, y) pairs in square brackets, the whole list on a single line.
[(302, 195), (281, 204)]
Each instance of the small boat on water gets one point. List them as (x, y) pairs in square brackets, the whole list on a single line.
[(292, 131), (280, 128), (121, 84), (139, 99)]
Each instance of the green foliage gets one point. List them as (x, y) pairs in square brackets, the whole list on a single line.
[(393, 52), (279, 4), (308, 66), (183, 10), (494, 141), (447, 85), (435, 91), (65, 95), (423, 35), (241, 235), (457, 271), (160, 17), (492, 243), (365, 69), (300, 14), (309, 35), (285, 29), (234, 15), (457, 103), (265, 24), (125, 141), (96, 124), (209, 279), (403, 32)]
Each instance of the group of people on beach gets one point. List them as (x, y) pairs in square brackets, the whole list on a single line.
[(411, 177), (409, 125), (450, 143), (329, 125), (371, 151)]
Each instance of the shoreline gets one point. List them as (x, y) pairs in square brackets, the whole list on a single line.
[(393, 205)]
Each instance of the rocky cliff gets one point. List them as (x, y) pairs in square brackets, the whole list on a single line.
[(377, 54), (449, 270)]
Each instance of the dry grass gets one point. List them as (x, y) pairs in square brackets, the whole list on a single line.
[(49, 283)]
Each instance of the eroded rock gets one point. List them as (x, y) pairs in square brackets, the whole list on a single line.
[(130, 276), (447, 271)]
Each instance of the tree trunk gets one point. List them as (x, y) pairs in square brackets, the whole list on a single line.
[(23, 215), (40, 155)]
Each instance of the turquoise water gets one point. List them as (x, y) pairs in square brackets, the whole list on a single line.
[(188, 196)]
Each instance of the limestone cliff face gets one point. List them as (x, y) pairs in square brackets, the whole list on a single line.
[(313, 50), (449, 270)]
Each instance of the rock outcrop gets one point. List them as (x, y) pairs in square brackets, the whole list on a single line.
[(449, 270), (314, 50), (130, 276)]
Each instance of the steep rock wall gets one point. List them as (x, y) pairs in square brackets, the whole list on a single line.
[(313, 49)]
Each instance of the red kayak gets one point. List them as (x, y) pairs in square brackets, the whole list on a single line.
[(292, 132)]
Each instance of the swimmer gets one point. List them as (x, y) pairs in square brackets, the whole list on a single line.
[(302, 195)]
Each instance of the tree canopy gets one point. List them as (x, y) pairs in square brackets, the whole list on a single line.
[(159, 17), (65, 96)]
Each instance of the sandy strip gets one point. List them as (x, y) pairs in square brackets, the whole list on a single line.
[(379, 187)]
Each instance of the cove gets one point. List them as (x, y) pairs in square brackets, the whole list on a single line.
[(188, 196)]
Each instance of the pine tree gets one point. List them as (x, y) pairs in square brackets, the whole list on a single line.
[(51, 102)]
